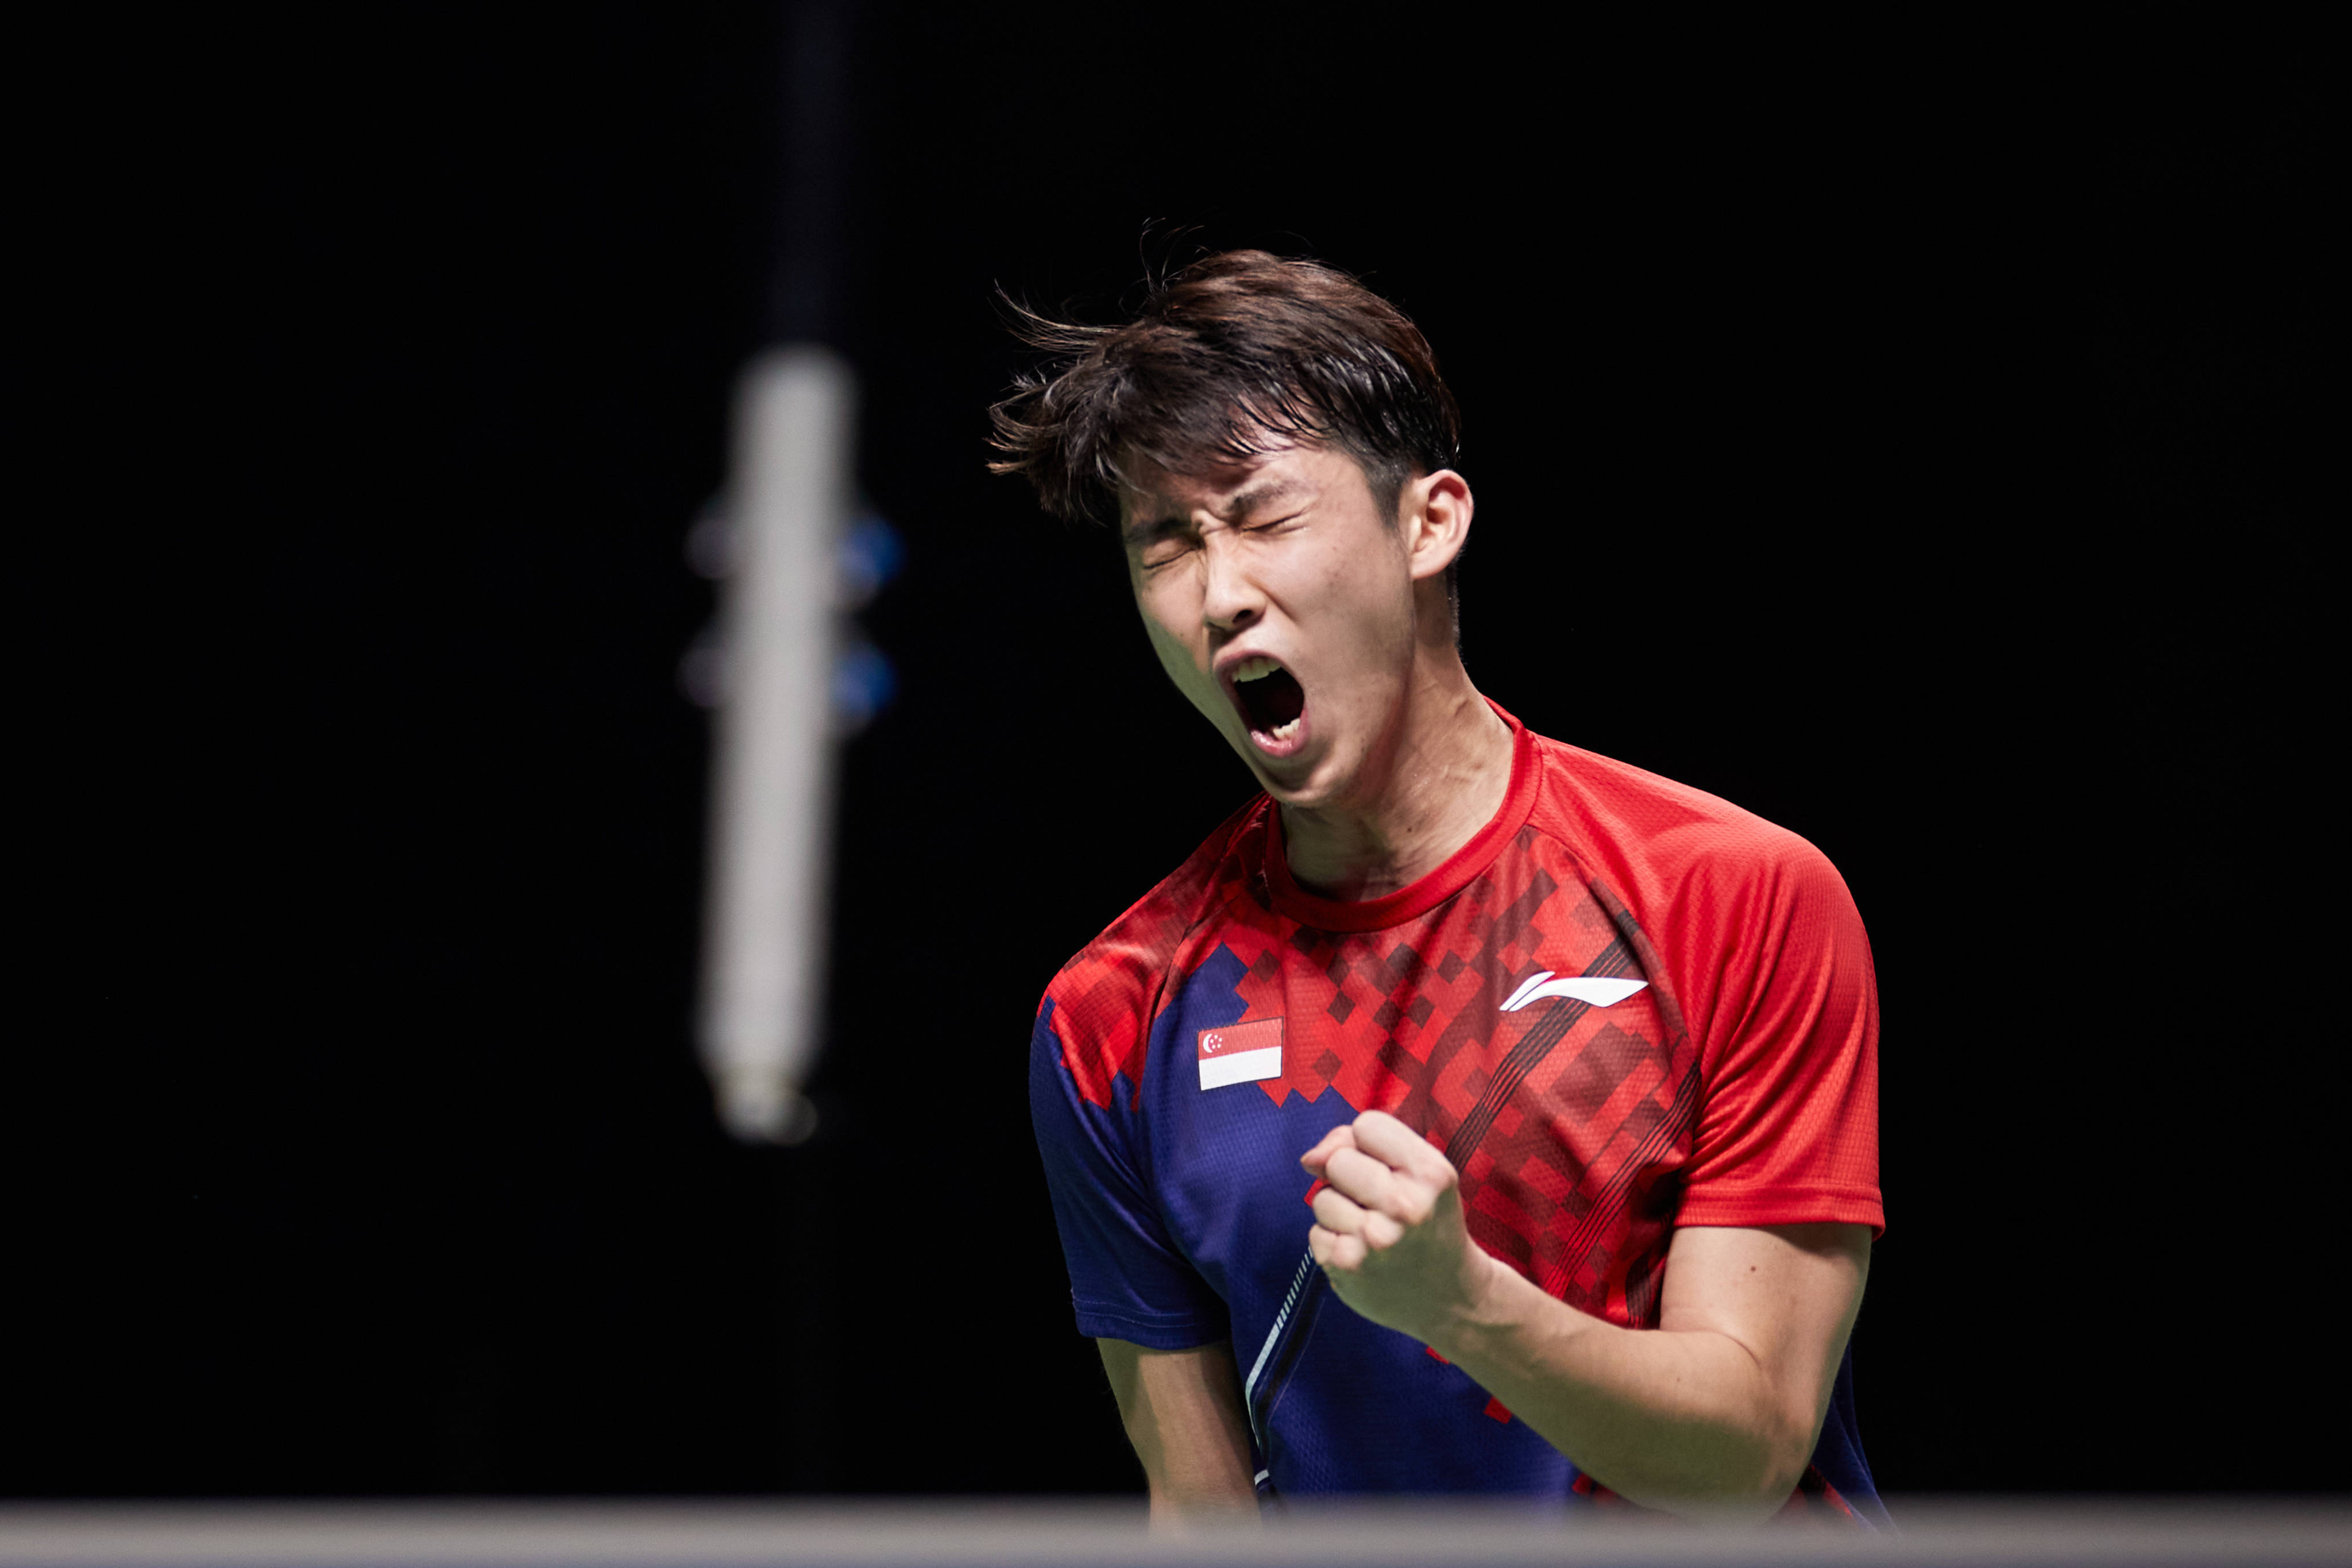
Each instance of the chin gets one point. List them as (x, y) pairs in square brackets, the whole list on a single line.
[(1318, 784)]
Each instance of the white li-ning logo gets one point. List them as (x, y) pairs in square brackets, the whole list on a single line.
[(1594, 989)]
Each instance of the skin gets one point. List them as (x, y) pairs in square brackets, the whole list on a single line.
[(1289, 558), (1398, 764), (1182, 1410), (1713, 1412)]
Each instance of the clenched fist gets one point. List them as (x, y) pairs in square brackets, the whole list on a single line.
[(1387, 1228)]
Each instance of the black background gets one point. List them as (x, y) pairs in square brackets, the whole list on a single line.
[(1915, 446)]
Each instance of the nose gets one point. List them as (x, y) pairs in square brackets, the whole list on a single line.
[(1230, 601)]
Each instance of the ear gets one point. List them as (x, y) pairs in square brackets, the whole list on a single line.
[(1434, 515)]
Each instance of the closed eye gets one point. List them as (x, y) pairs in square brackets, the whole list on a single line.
[(1165, 543), (1157, 543), (1271, 524), (1166, 551)]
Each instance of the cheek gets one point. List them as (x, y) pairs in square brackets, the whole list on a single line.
[(1174, 656), (1177, 657), (1369, 595)]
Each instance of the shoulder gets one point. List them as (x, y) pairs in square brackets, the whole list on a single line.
[(1660, 843), (1121, 970)]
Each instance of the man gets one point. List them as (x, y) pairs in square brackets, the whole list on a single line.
[(1575, 1066)]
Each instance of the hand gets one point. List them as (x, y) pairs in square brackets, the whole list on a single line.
[(1388, 1228)]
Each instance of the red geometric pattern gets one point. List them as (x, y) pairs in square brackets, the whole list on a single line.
[(1738, 1087), (1405, 1020)]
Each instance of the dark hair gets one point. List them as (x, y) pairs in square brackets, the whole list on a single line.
[(1233, 356)]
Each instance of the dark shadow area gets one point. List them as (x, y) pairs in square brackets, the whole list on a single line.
[(1924, 459)]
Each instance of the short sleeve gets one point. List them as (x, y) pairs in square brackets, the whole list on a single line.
[(1788, 1130), (1128, 1280)]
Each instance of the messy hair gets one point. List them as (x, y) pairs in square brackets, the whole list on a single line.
[(1232, 357)]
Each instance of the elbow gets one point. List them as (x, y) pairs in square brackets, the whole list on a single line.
[(1784, 1469), (1782, 1451), (1751, 1498), (1750, 1480)]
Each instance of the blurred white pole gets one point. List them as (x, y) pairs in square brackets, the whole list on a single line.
[(764, 941)]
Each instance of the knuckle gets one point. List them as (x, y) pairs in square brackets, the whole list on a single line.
[(1336, 1213)]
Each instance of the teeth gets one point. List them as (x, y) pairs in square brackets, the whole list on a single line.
[(1254, 669), (1283, 731)]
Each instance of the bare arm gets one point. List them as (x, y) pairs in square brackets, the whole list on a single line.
[(1719, 1407), (1182, 1410), (1716, 1411)]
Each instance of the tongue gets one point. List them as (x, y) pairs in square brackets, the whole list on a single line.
[(1273, 702)]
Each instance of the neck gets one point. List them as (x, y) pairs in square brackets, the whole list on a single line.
[(1440, 779)]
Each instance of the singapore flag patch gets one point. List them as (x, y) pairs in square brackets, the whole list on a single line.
[(1240, 1053)]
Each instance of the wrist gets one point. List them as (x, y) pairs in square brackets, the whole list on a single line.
[(1479, 1309)]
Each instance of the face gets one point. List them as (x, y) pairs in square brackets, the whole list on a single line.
[(1283, 604)]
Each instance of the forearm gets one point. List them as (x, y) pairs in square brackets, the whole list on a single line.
[(1200, 1475), (1685, 1421), (1714, 1411)]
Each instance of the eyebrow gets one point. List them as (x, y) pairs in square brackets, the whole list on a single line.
[(1144, 530), (1157, 522), (1256, 496)]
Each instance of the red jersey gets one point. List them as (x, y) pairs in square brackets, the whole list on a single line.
[(1624, 1007)]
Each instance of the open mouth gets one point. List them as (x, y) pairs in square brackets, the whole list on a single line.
[(1270, 698)]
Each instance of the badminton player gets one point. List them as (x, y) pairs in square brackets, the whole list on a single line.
[(1471, 1114)]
